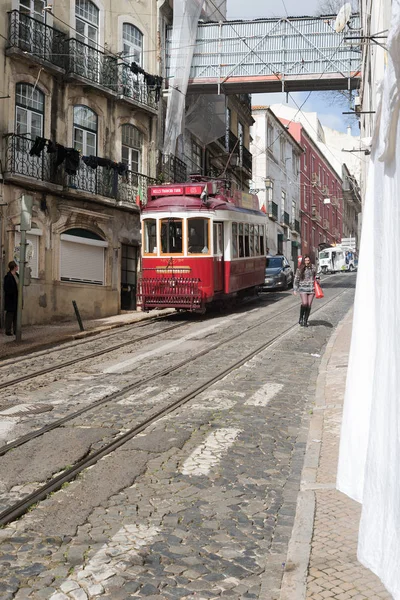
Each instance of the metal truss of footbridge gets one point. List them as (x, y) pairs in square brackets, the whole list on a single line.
[(272, 55)]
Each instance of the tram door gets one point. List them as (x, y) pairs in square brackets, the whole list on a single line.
[(218, 257), (128, 277)]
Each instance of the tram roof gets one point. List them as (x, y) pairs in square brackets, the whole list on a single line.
[(177, 204)]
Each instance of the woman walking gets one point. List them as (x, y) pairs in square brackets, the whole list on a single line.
[(304, 284)]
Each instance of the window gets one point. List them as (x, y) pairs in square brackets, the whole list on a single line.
[(171, 236), (305, 195), (150, 236), (85, 130), (251, 253), (197, 156), (246, 240), (262, 237), (241, 141), (241, 241), (293, 211), (305, 160), (87, 22), (132, 41), (257, 240), (82, 257), (270, 190), (235, 251), (282, 149), (198, 242), (33, 8), (270, 137), (132, 141), (283, 202), (305, 228), (29, 110)]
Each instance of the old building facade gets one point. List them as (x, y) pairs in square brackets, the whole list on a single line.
[(276, 178), (321, 195), (79, 132)]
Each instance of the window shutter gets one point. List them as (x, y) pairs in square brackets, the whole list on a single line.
[(82, 262)]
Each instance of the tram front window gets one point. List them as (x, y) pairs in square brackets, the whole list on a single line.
[(198, 236), (171, 236), (150, 236)]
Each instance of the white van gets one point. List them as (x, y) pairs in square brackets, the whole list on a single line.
[(338, 258)]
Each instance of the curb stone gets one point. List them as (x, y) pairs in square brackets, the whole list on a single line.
[(294, 580)]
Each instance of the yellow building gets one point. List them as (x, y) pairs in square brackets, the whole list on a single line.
[(69, 85)]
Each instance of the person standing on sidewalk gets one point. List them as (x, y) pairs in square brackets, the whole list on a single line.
[(11, 297), (304, 285)]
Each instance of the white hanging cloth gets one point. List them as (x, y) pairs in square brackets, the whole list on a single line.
[(369, 460)]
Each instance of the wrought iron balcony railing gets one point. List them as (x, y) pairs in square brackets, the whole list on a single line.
[(102, 181), (273, 211), (92, 64), (18, 161), (130, 187), (297, 226), (36, 38), (76, 58), (130, 86), (133, 187)]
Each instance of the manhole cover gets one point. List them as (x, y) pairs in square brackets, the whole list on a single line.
[(23, 410)]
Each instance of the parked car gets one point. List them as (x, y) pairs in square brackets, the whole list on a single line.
[(278, 273)]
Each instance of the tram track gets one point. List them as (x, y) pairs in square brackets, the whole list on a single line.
[(74, 361), (55, 483)]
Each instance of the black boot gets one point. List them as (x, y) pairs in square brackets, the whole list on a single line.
[(302, 310), (306, 315)]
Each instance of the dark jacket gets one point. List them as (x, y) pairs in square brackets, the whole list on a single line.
[(10, 293)]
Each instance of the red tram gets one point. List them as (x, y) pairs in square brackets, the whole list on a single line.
[(200, 245)]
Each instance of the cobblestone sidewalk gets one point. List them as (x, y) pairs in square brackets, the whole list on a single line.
[(322, 558)]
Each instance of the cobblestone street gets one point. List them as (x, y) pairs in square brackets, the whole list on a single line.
[(201, 503)]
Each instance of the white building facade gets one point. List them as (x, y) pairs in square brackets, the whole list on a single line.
[(276, 179)]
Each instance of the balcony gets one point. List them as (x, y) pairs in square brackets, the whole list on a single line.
[(37, 39), (77, 60), (245, 157), (91, 64), (19, 162), (315, 214), (273, 211), (40, 171)]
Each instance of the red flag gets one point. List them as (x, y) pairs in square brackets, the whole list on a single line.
[(263, 209)]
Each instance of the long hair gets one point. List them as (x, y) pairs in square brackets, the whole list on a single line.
[(303, 266)]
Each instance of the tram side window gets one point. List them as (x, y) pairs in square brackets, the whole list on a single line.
[(241, 241), (251, 240), (198, 236), (256, 240), (235, 250), (171, 236), (150, 236), (262, 246), (246, 240)]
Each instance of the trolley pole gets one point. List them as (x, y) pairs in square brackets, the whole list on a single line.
[(26, 217)]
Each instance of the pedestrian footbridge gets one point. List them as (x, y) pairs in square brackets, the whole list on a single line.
[(273, 55)]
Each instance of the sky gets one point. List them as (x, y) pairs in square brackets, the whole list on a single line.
[(328, 105)]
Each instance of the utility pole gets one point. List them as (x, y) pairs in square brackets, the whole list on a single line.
[(26, 218)]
